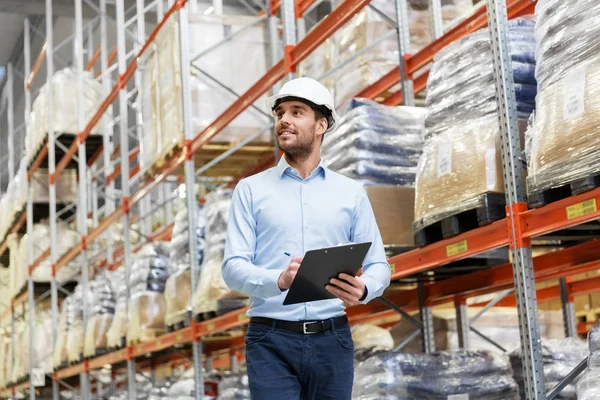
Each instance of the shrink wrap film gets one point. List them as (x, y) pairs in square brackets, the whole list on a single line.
[(118, 327), (64, 88), (566, 138), (178, 287), (60, 355), (5, 344), (102, 313), (146, 306), (162, 99), (588, 387), (376, 144), (212, 286), (456, 167), (75, 325), (442, 375), (42, 334)]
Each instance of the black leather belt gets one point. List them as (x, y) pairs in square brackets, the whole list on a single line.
[(309, 327)]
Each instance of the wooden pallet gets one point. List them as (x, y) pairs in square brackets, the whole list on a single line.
[(492, 207), (232, 166)]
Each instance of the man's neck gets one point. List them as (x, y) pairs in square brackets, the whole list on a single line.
[(305, 166)]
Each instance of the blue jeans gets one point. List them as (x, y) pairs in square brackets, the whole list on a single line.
[(284, 365)]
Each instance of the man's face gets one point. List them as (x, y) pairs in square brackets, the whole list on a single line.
[(297, 131)]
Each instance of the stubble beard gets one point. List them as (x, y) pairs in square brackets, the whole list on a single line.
[(301, 149)]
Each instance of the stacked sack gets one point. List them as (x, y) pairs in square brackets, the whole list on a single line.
[(76, 325), (65, 108), (178, 289), (234, 386), (211, 285), (60, 355), (42, 343), (146, 307), (472, 374), (102, 311), (5, 349), (566, 138), (560, 358), (376, 144), (588, 387), (461, 158)]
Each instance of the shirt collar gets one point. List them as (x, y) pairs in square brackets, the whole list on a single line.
[(283, 166)]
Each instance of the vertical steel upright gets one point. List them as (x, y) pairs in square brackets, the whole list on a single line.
[(51, 183), (82, 201), (31, 303), (107, 131), (568, 309), (514, 185), (289, 33), (190, 181), (408, 94), (274, 57), (462, 322), (124, 142), (10, 121), (426, 320), (436, 19)]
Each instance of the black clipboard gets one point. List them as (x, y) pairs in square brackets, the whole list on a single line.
[(319, 266)]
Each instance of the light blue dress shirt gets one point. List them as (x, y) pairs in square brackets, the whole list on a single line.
[(277, 211)]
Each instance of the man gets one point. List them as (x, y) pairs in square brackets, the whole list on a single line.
[(302, 351)]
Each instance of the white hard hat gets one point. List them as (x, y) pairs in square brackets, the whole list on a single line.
[(310, 90)]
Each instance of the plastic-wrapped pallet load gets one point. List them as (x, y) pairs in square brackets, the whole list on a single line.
[(101, 316), (560, 358), (41, 243), (588, 387), (367, 27), (60, 355), (472, 374), (42, 350), (162, 101), (376, 144), (566, 138), (146, 306), (118, 328), (234, 386), (179, 289), (5, 344), (212, 285), (76, 327), (461, 159), (17, 277), (64, 89)]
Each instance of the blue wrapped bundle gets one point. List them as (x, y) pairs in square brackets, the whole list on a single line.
[(376, 144)]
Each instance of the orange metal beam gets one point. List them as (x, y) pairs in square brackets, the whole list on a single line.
[(36, 66), (92, 62)]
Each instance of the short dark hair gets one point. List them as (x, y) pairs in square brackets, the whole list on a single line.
[(320, 111)]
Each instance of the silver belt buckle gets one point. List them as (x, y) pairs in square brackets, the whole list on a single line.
[(305, 324)]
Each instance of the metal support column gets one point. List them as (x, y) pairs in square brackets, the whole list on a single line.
[(568, 309), (82, 201), (10, 117), (436, 19), (462, 322), (30, 288), (408, 94), (289, 28), (190, 180), (51, 169), (427, 321), (533, 371), (107, 143), (124, 147), (274, 57)]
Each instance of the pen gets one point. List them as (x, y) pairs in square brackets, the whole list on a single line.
[(287, 254)]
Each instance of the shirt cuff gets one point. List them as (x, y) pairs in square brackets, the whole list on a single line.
[(370, 289), (270, 279)]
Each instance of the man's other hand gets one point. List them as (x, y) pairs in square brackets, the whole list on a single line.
[(350, 289), (287, 277)]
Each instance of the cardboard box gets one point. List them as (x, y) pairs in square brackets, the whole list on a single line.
[(394, 212)]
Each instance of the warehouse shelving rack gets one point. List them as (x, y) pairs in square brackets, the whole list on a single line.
[(516, 231)]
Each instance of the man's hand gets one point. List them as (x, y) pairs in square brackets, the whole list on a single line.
[(350, 291), (287, 277)]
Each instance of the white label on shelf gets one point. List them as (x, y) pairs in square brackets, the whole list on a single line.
[(574, 92), (490, 168), (38, 378), (464, 396), (444, 161)]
